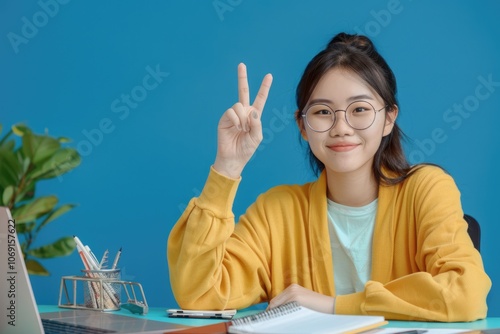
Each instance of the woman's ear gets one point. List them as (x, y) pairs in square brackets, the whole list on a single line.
[(300, 123), (390, 119)]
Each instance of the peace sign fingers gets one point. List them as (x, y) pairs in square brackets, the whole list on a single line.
[(240, 128), (244, 90)]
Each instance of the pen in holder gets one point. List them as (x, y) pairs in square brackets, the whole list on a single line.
[(102, 289), (101, 286)]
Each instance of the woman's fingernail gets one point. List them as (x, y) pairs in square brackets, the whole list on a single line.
[(254, 114)]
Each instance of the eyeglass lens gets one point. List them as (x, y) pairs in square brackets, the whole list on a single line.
[(359, 115)]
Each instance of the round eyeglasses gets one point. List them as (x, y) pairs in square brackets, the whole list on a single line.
[(360, 115)]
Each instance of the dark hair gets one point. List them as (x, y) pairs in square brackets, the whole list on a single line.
[(357, 54)]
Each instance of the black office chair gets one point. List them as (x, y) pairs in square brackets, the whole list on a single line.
[(474, 231)]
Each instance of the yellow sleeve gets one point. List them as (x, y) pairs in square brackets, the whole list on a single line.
[(212, 266), (437, 274)]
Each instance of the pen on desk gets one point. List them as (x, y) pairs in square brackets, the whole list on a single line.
[(413, 331), (117, 257)]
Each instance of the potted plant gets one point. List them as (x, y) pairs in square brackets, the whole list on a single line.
[(26, 159)]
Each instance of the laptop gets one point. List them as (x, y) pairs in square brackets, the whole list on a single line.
[(20, 314)]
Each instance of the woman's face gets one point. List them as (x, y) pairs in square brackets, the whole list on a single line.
[(343, 149)]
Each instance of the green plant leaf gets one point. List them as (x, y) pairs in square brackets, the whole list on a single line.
[(64, 140), (39, 148), (27, 193), (7, 195), (61, 247), (22, 228), (64, 160), (35, 209), (35, 268), (20, 129), (21, 167), (26, 164), (55, 214), (10, 168)]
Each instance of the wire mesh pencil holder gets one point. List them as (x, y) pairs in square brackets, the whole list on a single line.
[(101, 290)]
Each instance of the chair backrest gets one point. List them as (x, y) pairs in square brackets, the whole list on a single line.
[(474, 231)]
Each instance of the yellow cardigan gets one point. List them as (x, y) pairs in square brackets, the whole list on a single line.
[(424, 264)]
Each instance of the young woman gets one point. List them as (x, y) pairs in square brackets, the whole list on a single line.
[(372, 235)]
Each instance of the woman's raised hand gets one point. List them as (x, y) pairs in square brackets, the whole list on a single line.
[(240, 128)]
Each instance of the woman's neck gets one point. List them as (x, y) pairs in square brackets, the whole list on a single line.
[(357, 188)]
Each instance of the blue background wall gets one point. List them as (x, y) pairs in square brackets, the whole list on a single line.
[(144, 159)]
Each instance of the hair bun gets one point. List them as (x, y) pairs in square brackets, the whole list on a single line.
[(358, 41)]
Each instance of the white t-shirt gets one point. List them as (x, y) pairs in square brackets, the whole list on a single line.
[(351, 235)]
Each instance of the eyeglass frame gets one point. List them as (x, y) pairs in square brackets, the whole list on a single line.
[(304, 115)]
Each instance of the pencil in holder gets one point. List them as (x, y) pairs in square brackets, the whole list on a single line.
[(102, 289)]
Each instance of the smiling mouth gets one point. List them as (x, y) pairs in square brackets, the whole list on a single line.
[(343, 147)]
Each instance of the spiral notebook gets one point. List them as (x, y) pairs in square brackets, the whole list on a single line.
[(292, 318)]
